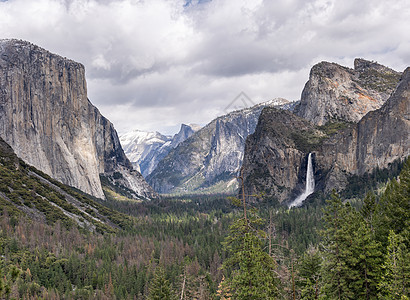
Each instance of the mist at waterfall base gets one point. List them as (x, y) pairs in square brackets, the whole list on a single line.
[(310, 185)]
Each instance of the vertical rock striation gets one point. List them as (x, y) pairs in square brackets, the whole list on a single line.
[(275, 155), (378, 139), (47, 119)]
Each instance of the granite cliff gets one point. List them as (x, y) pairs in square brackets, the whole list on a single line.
[(26, 191), (276, 154), (337, 93), (46, 117), (209, 160), (377, 140)]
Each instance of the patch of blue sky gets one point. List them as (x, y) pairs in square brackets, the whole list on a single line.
[(195, 2)]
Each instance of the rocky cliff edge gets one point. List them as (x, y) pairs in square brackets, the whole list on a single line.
[(46, 118)]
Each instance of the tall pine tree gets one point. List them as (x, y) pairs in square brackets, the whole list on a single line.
[(310, 274), (249, 270), (336, 249), (396, 278), (160, 288), (352, 257), (393, 211)]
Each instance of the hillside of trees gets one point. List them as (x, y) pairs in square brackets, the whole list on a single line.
[(202, 247)]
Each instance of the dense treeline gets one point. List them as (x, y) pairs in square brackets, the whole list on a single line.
[(205, 248), (171, 234), (363, 253)]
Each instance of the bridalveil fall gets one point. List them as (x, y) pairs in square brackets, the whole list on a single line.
[(310, 184)]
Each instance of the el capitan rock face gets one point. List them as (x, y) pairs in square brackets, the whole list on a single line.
[(337, 93), (47, 119)]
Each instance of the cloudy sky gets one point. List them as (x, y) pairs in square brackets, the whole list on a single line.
[(153, 64)]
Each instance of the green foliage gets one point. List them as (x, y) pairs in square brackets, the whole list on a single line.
[(250, 271), (381, 81), (358, 186), (393, 211), (25, 189), (395, 283), (310, 140), (331, 128), (364, 253), (84, 260), (160, 288), (109, 184), (309, 268), (307, 141), (352, 258)]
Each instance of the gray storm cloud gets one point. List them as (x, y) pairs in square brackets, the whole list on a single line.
[(154, 64)]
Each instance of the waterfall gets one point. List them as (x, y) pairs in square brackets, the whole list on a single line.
[(310, 184)]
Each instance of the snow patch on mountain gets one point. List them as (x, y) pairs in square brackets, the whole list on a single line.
[(146, 149)]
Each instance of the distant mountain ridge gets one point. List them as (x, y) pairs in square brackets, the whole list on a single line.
[(46, 117), (146, 149), (138, 144), (209, 160)]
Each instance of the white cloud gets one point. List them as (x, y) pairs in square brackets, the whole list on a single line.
[(153, 64)]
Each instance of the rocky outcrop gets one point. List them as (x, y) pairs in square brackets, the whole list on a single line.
[(146, 149), (381, 137), (275, 155), (336, 93), (184, 133), (209, 160), (47, 119), (113, 163)]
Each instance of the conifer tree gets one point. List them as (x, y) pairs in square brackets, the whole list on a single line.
[(368, 209), (395, 283), (249, 269), (160, 288), (365, 262), (310, 274), (393, 212), (336, 252), (352, 257)]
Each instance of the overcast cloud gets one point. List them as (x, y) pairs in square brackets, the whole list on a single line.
[(154, 64)]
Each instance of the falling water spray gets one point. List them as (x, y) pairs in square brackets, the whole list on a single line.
[(310, 184)]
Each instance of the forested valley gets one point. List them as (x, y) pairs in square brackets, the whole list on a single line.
[(349, 246), (79, 221)]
